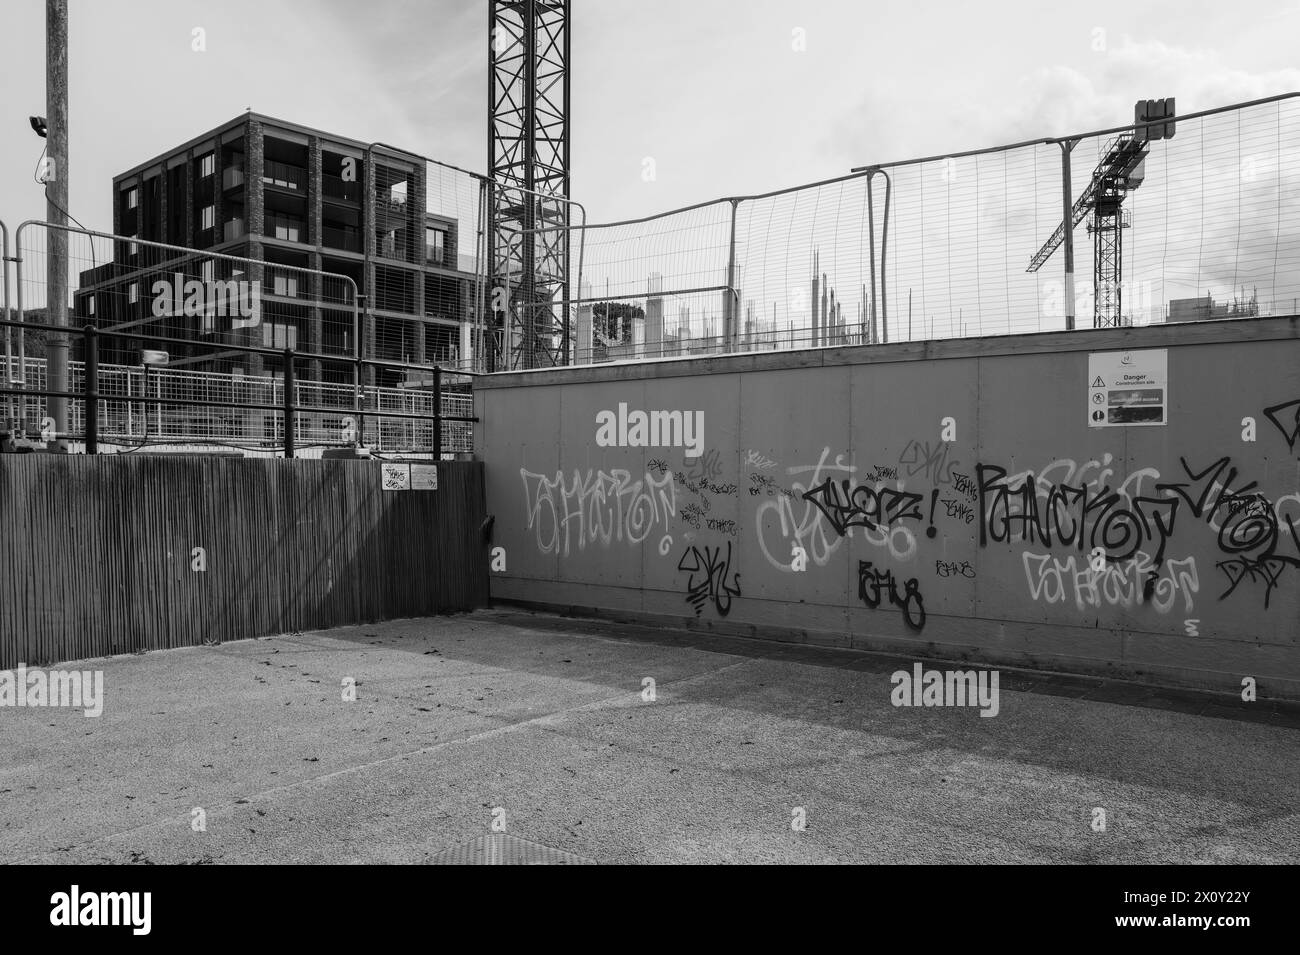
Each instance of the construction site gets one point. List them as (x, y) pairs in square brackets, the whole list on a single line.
[(323, 410)]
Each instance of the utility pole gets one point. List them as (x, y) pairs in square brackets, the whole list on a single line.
[(56, 191)]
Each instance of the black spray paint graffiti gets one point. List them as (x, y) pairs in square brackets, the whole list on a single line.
[(958, 509), (708, 581), (847, 506), (1073, 516), (964, 485), (954, 568), (1290, 429), (1250, 527), (766, 486), (877, 585), (703, 486)]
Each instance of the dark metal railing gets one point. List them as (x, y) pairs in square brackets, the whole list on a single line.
[(289, 408)]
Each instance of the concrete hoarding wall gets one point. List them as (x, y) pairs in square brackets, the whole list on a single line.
[(950, 499), (97, 554)]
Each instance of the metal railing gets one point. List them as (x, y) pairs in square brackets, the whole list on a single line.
[(284, 175), (250, 344), (137, 407)]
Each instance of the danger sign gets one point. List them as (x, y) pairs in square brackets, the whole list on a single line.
[(1128, 388)]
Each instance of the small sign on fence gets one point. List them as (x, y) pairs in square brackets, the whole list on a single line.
[(409, 477), (396, 477), (424, 477)]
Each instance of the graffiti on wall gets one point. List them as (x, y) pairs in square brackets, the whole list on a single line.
[(1286, 418), (876, 585), (1026, 509), (595, 508), (1086, 535), (709, 568), (825, 503), (1257, 536), (1054, 580), (929, 461)]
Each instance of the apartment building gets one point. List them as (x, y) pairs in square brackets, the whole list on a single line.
[(285, 195)]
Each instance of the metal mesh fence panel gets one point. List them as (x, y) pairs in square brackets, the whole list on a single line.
[(1202, 225), (215, 329)]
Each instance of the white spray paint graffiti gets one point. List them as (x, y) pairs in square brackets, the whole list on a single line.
[(808, 531), (1122, 584), (598, 508)]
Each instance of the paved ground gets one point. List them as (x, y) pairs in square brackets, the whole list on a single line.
[(544, 718)]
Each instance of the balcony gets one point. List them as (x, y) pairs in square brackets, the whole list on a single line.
[(284, 176), (232, 178), (347, 239), (232, 229), (390, 246), (335, 188), (392, 206)]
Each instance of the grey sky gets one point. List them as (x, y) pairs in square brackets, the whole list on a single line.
[(713, 90)]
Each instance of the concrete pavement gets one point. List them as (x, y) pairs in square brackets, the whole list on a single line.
[(541, 722)]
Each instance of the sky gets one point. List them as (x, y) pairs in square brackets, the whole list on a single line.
[(712, 97)]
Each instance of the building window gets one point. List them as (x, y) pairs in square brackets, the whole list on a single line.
[(132, 197), (279, 336), (205, 165), (286, 285), (207, 271), (206, 217), (133, 293), (132, 247), (435, 244), (286, 229), (90, 305)]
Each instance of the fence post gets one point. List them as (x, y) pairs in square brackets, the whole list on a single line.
[(91, 399), (437, 412), (1067, 223), (357, 399), (288, 403), (733, 306)]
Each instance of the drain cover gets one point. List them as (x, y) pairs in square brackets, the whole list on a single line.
[(500, 849)]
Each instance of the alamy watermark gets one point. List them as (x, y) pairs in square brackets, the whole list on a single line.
[(75, 907), (946, 688), (195, 298), (651, 429), (78, 689)]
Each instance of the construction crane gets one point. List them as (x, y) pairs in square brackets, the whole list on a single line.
[(1119, 172), (528, 155)]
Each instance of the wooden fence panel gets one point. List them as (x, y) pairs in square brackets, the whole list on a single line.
[(97, 554)]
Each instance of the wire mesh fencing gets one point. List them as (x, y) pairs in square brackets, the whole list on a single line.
[(1201, 225), (423, 269)]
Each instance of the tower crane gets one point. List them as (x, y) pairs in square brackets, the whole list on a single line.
[(1120, 170)]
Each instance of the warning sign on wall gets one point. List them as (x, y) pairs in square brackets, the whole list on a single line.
[(1128, 388)]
